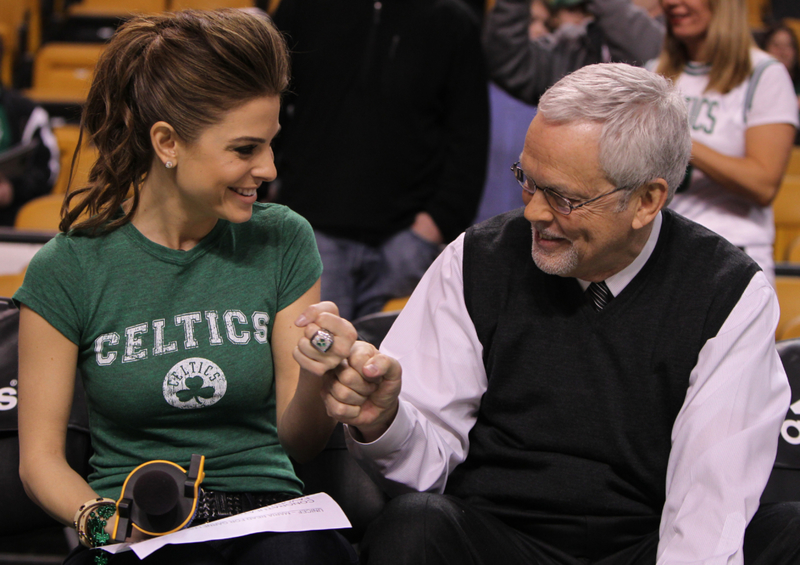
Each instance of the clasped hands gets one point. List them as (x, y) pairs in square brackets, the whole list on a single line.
[(360, 385)]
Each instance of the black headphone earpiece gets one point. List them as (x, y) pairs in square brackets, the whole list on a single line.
[(158, 498)]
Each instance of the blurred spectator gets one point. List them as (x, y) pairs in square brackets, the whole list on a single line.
[(780, 41), (743, 114), (540, 23), (384, 139), (588, 31), (562, 36), (652, 7), (22, 121)]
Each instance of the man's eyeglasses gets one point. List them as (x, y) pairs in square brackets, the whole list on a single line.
[(559, 203)]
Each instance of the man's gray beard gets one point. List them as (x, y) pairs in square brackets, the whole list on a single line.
[(561, 264)]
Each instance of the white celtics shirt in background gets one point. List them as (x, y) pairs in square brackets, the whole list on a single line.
[(720, 121)]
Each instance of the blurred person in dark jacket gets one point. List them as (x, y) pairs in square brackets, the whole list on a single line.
[(384, 140)]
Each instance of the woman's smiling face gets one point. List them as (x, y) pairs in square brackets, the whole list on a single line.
[(689, 20), (217, 175)]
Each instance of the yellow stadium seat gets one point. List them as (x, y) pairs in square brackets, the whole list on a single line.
[(395, 304), (67, 137), (10, 283), (62, 72), (788, 290), (116, 7), (794, 162), (41, 214), (756, 10), (793, 23), (7, 36), (14, 14), (786, 207), (793, 251), (791, 329)]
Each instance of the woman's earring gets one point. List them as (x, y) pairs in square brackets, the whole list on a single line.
[(169, 164)]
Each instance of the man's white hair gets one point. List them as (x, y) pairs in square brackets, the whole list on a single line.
[(645, 125)]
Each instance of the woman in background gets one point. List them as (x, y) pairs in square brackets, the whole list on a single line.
[(176, 294), (780, 41), (743, 115)]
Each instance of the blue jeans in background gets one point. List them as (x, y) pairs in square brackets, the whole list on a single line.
[(360, 278)]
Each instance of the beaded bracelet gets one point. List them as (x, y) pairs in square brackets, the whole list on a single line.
[(91, 515), (96, 530)]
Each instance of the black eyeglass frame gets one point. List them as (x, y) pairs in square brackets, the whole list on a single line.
[(560, 204)]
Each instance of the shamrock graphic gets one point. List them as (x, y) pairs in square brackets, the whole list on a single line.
[(195, 390)]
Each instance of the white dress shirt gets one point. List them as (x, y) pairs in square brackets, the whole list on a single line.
[(724, 438)]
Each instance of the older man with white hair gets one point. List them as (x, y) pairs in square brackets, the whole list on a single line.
[(615, 400)]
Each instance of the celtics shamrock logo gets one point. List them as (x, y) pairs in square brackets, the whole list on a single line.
[(194, 383), (195, 390)]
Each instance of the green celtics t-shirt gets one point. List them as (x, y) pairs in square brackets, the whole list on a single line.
[(174, 346)]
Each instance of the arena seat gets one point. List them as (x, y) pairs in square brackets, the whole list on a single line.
[(116, 7), (786, 208), (395, 304), (793, 23), (794, 162), (793, 251), (19, 19), (62, 72), (788, 290), (10, 283), (784, 482), (19, 516), (8, 34), (42, 214)]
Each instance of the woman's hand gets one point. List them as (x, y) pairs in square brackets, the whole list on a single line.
[(360, 385), (334, 338), (136, 535)]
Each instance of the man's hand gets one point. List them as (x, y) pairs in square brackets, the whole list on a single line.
[(360, 385), (363, 392), (426, 228), (6, 192)]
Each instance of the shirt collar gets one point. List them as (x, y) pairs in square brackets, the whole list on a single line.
[(616, 283)]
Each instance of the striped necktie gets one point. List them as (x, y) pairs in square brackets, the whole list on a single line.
[(599, 295)]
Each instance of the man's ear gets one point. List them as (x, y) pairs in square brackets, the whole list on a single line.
[(649, 199), (165, 142)]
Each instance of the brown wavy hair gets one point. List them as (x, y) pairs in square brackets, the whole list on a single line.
[(728, 43), (186, 68)]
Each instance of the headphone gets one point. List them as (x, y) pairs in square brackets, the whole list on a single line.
[(158, 498)]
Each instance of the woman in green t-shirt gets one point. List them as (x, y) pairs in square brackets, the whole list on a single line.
[(176, 294)]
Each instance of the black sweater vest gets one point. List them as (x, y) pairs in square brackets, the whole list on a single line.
[(580, 405)]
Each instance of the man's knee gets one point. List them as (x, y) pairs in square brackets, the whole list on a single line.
[(411, 526), (416, 514)]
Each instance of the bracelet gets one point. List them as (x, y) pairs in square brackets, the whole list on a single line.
[(90, 521)]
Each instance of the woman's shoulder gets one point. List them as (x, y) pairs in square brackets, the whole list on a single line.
[(763, 62), (62, 244), (760, 58), (275, 217), (66, 251)]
